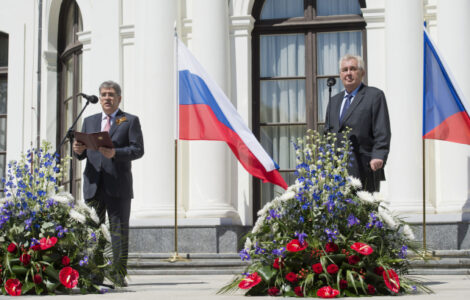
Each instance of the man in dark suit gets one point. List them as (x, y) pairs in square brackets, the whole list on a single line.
[(364, 110), (107, 177)]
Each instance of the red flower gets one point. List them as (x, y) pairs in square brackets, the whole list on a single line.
[(353, 259), (317, 268), (331, 247), (47, 243), (25, 258), (292, 277), (370, 289), (343, 284), (295, 246), (327, 292), (250, 281), (362, 248), (379, 270), (274, 291), (13, 287), (36, 247), (65, 260), (278, 263), (332, 269), (37, 279), (68, 277), (12, 248), (298, 291), (391, 280)]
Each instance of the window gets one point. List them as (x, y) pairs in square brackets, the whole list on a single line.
[(70, 65), (296, 47), (3, 105)]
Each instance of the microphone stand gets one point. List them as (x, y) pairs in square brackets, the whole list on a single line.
[(70, 136)]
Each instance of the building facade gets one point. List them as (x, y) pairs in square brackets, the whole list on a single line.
[(271, 57)]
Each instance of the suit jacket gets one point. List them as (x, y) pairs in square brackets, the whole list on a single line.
[(113, 175), (370, 135)]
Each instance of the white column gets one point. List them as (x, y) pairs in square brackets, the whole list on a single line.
[(209, 186), (404, 74), (154, 174), (453, 42)]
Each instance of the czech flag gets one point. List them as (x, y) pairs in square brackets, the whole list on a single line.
[(205, 113), (445, 109)]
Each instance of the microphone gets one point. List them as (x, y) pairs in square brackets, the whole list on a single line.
[(91, 98), (331, 82)]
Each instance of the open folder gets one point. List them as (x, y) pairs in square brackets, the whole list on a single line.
[(94, 140)]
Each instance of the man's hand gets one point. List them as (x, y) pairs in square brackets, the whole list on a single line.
[(78, 147), (376, 164), (107, 152)]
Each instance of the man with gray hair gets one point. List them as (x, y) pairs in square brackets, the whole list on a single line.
[(364, 110), (107, 179)]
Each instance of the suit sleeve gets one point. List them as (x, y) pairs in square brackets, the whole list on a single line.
[(84, 153), (135, 149), (381, 128), (327, 119)]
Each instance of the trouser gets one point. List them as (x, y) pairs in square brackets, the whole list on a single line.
[(118, 210)]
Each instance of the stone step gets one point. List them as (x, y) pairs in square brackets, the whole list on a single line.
[(198, 263)]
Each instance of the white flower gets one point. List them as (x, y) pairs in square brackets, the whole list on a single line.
[(408, 232), (289, 194), (355, 182), (387, 218), (248, 243), (94, 216), (105, 231), (365, 196), (77, 216), (63, 197)]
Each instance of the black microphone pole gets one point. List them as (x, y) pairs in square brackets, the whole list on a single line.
[(331, 81), (69, 135)]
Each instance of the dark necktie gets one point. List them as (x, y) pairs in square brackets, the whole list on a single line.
[(345, 106)]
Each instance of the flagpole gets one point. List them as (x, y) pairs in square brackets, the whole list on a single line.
[(176, 257), (424, 197)]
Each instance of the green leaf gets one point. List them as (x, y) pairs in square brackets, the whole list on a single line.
[(19, 270), (50, 271), (51, 286), (267, 272), (27, 286)]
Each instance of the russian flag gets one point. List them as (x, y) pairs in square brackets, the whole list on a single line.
[(445, 109), (205, 113)]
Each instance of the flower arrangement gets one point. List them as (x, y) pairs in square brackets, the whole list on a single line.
[(324, 237), (48, 242)]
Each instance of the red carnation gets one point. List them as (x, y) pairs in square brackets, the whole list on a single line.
[(278, 263), (362, 248), (327, 292), (370, 289), (47, 243), (317, 268), (292, 277), (274, 291), (353, 259), (250, 281), (37, 279), (68, 277), (13, 287), (343, 284), (25, 258), (391, 280), (295, 246), (331, 247), (332, 269), (298, 291), (65, 260), (12, 248), (379, 270)]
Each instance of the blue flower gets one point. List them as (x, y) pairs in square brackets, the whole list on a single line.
[(403, 252), (300, 236), (279, 252), (244, 255), (352, 220)]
